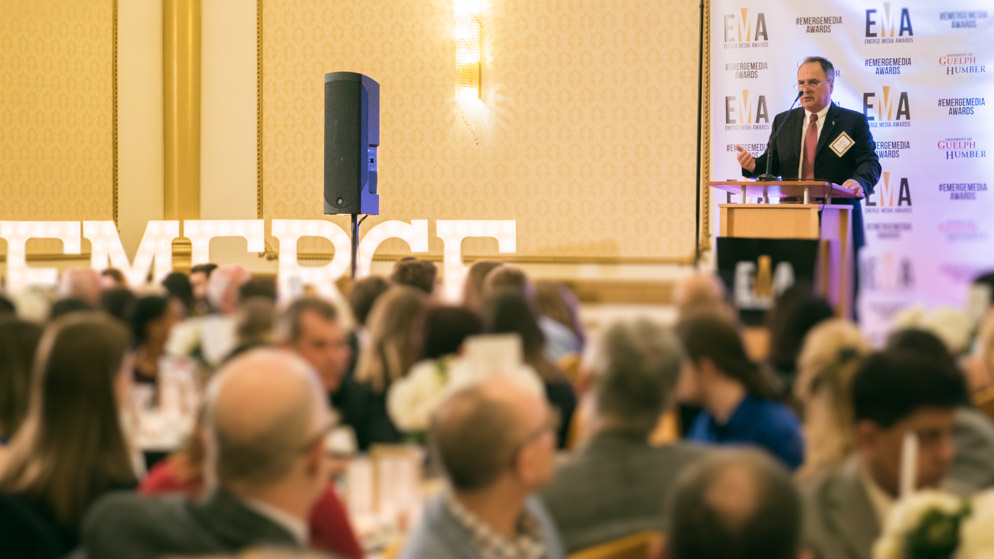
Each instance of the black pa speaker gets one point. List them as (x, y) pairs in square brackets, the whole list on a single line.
[(351, 136)]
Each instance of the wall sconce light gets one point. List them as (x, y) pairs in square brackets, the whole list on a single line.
[(469, 32)]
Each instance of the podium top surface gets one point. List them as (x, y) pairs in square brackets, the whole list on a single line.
[(784, 189)]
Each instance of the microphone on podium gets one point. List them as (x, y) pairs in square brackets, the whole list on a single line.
[(768, 176)]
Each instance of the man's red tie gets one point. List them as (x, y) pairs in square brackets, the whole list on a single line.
[(810, 146)]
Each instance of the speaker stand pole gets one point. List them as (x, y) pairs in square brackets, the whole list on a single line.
[(355, 243)]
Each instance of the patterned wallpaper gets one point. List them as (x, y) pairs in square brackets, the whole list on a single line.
[(56, 110), (586, 136)]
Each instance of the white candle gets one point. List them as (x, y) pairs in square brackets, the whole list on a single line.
[(909, 464)]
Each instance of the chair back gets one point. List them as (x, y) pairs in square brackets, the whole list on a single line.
[(634, 546)]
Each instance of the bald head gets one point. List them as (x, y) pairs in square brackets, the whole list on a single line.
[(264, 408), (735, 504), (479, 429), (699, 292), (223, 285), (80, 283)]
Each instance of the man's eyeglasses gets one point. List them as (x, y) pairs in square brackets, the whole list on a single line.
[(320, 435), (550, 425), (811, 83)]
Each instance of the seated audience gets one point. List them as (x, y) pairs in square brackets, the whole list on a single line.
[(829, 358), (472, 294), (310, 328), (64, 307), (616, 484), (735, 505), (199, 278), (979, 366), (507, 312), (112, 278), (266, 418), (416, 273), (362, 296), (255, 324), (264, 288), (81, 283), (387, 356), (119, 302), (180, 293), (151, 322), (894, 393), (560, 340), (556, 301), (496, 445), (739, 404), (71, 447), (18, 345), (7, 307), (702, 293), (796, 311), (973, 435)]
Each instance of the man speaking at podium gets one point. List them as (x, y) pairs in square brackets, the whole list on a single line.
[(821, 141)]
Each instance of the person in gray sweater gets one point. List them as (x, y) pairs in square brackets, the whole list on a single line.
[(496, 443)]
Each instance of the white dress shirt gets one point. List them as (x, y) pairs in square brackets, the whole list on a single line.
[(804, 130), (297, 528)]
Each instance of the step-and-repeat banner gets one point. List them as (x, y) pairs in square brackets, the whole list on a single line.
[(922, 71)]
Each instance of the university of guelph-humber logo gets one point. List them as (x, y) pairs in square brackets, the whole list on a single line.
[(889, 25), (887, 108), (744, 30), (746, 111)]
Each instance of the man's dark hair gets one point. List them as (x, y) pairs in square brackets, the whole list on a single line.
[(364, 293), (987, 279), (891, 385), (118, 302), (206, 269), (289, 329), (826, 66), (795, 312), (415, 272), (734, 505), (178, 286), (257, 287), (924, 343), (114, 274)]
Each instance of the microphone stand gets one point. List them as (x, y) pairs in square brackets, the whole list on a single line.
[(768, 176)]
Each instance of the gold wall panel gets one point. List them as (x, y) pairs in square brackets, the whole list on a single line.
[(57, 120), (588, 138)]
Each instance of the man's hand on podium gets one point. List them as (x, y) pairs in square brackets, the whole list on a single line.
[(746, 160), (854, 186)]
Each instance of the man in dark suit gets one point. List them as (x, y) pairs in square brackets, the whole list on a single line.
[(617, 483), (266, 421), (837, 147)]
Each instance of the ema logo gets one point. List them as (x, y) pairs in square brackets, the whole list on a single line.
[(890, 26), (757, 284), (746, 112), (743, 32), (892, 108), (887, 272), (883, 201)]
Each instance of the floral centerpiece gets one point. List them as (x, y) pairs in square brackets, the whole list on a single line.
[(938, 525)]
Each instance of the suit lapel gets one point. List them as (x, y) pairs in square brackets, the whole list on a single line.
[(828, 129), (790, 144), (851, 513)]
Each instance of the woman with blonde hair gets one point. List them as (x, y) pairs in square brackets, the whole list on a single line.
[(72, 447), (387, 355), (831, 353)]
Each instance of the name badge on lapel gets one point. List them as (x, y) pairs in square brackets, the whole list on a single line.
[(841, 144)]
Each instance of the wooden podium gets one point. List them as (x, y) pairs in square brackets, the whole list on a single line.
[(811, 217)]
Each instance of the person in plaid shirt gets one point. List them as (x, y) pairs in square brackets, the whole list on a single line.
[(496, 442)]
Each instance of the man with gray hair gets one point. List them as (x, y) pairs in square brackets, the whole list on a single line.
[(735, 504), (496, 442), (266, 421), (616, 484)]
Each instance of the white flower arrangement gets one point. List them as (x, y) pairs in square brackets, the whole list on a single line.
[(412, 400), (936, 524)]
